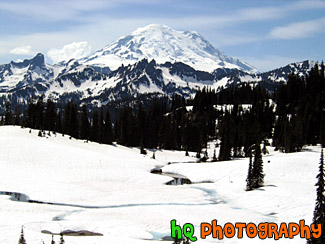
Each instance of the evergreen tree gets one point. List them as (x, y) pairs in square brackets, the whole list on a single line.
[(122, 126), (155, 117), (67, 118), (322, 130), (18, 112), (84, 123), (255, 176), (131, 129), (101, 126), (142, 150), (226, 137), (141, 124), (31, 114), (167, 134), (257, 170), (108, 131), (205, 156), (319, 212), (126, 128), (39, 110), (74, 121), (190, 137), (22, 237), (52, 242), (198, 153), (58, 123), (117, 131), (299, 111), (95, 127), (8, 114), (249, 180), (50, 115), (61, 238), (70, 120)]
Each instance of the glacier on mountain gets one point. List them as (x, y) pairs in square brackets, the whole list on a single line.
[(164, 44)]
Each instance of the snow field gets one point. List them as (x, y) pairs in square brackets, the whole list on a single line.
[(133, 205)]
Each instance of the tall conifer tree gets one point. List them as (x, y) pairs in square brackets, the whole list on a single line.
[(108, 131), (249, 180), (50, 115), (95, 127), (319, 212), (257, 171), (40, 113), (101, 126), (84, 123), (8, 114), (255, 177)]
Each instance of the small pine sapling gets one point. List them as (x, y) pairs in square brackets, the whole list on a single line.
[(52, 242), (61, 238), (22, 237)]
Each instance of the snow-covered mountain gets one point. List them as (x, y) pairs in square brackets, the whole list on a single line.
[(164, 44), (99, 86), (269, 80), (34, 77), (16, 75), (174, 63)]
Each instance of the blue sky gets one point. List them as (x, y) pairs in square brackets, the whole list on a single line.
[(266, 34)]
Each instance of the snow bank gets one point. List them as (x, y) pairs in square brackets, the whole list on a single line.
[(118, 197)]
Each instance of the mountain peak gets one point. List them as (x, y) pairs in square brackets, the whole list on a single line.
[(152, 27), (38, 60), (165, 44)]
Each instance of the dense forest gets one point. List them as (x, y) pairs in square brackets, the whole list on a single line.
[(236, 118)]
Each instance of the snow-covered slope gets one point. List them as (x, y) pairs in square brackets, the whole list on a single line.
[(19, 74), (269, 80), (164, 44), (110, 190), (98, 85)]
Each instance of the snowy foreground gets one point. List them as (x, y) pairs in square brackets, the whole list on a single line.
[(133, 205)]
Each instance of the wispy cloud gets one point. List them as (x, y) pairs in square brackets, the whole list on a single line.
[(23, 50), (59, 10), (260, 13), (74, 50), (48, 12), (298, 30), (307, 4)]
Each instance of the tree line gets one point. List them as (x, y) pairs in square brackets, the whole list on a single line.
[(300, 111), (236, 117), (71, 120)]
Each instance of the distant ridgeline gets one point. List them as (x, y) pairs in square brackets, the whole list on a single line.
[(236, 117), (128, 84)]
